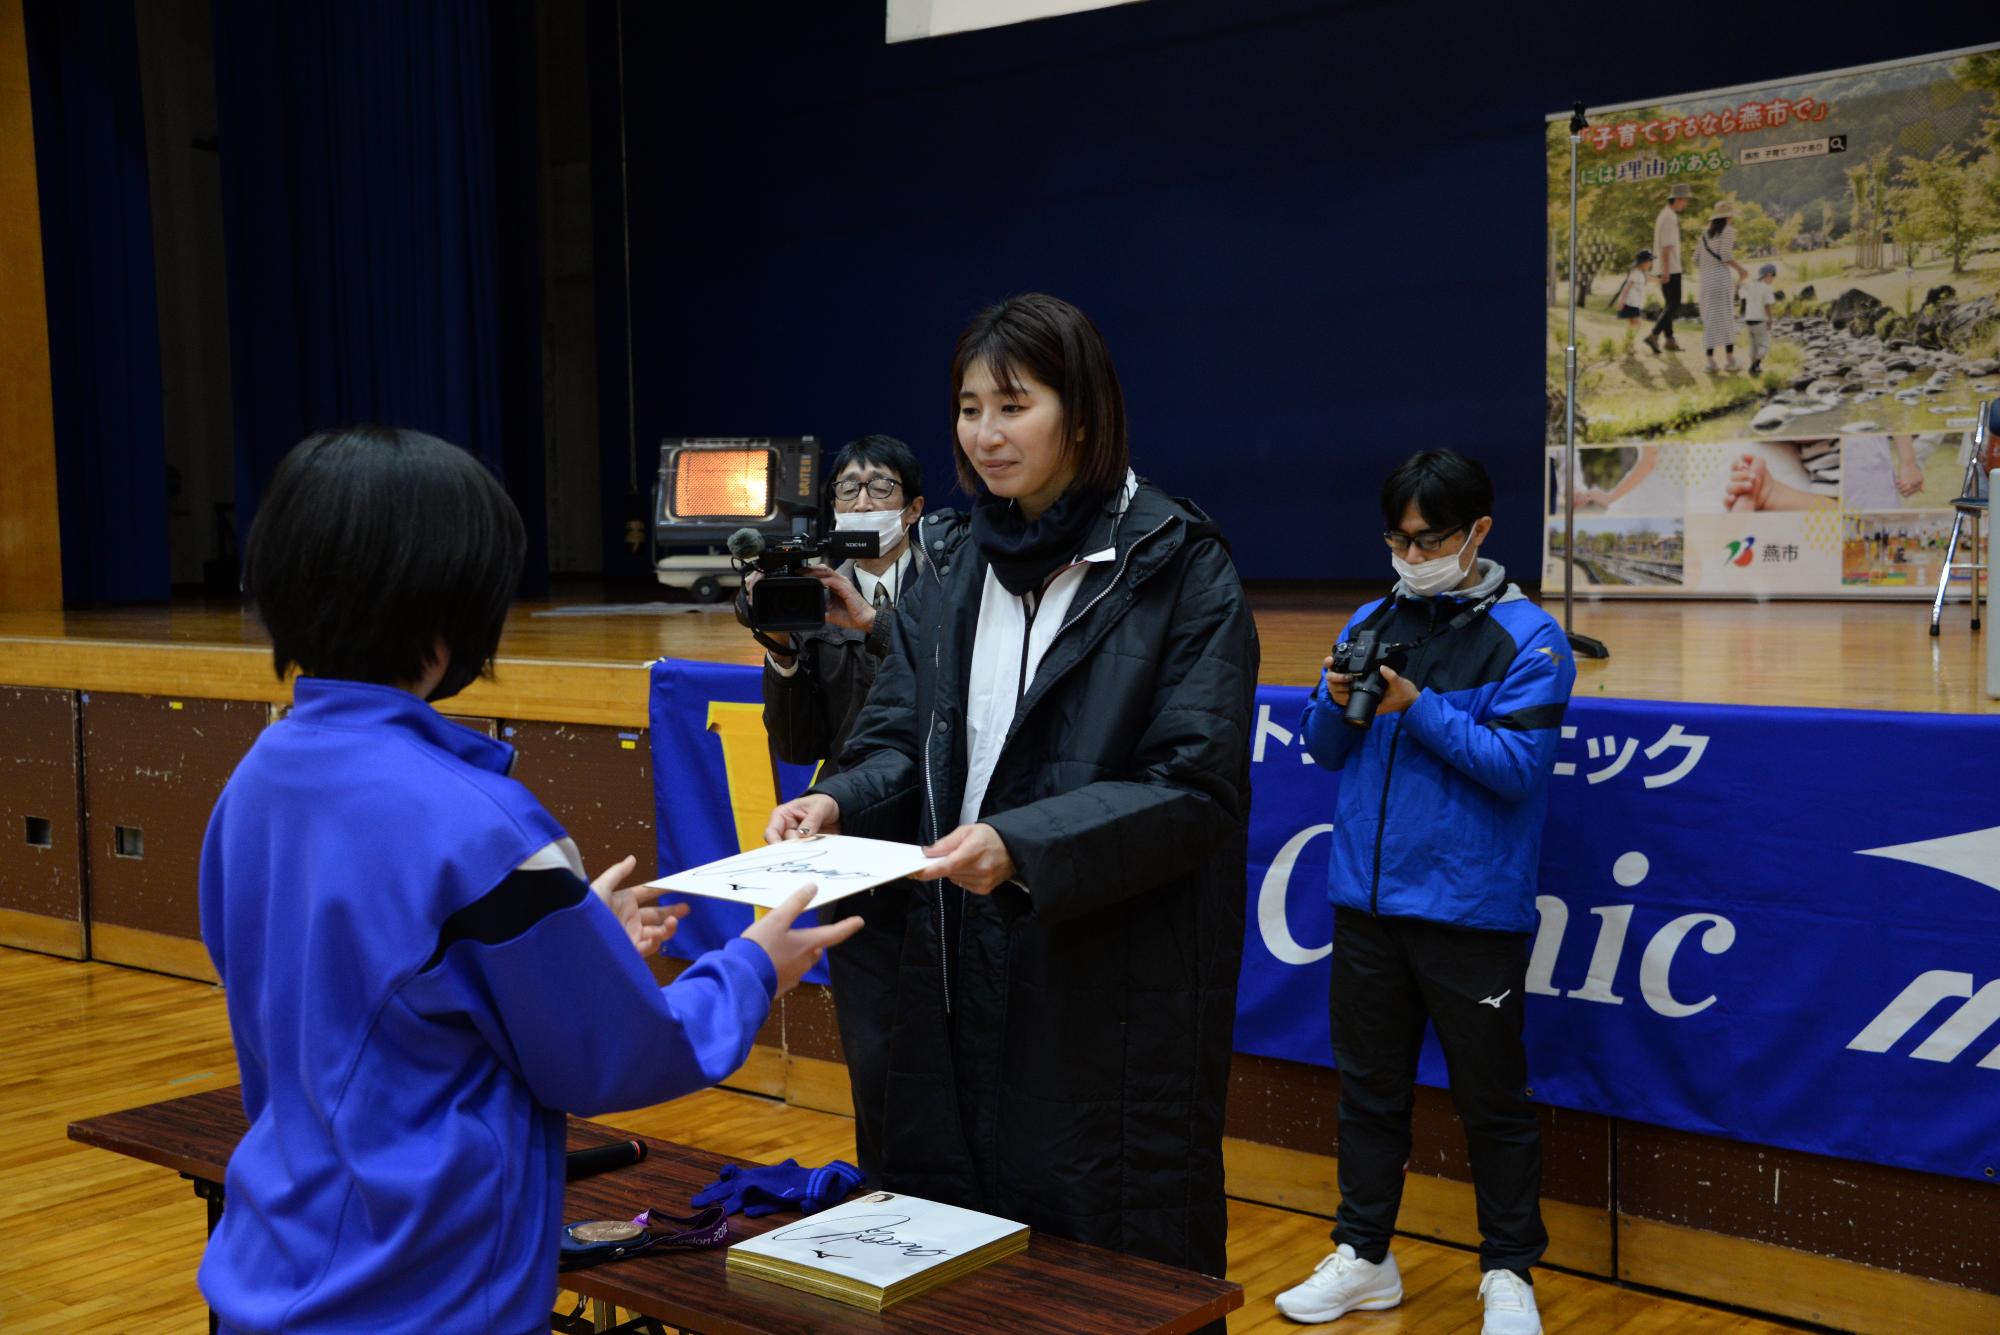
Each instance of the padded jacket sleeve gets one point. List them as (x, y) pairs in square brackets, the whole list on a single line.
[(878, 786), (795, 712), (542, 968), (1509, 750)]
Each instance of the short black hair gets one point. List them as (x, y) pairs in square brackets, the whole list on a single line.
[(1451, 491), (374, 543), (883, 452), (1058, 345)]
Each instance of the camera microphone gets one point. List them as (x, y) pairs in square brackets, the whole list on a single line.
[(746, 544), (604, 1158)]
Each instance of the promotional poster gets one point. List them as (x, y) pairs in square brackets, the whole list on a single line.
[(1788, 316)]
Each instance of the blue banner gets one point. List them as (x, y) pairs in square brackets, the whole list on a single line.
[(1777, 925), (714, 784)]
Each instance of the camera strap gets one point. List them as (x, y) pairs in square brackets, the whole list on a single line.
[(788, 650), (1465, 617)]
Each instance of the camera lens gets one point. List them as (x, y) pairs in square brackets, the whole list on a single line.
[(1363, 699), (788, 603)]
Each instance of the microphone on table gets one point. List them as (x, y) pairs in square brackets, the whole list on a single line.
[(746, 544), (602, 1159)]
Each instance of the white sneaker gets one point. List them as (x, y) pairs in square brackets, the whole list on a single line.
[(1341, 1283), (1510, 1304)]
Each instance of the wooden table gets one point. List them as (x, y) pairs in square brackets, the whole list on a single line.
[(1055, 1286)]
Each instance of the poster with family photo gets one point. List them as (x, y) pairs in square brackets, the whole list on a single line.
[(1792, 258), (1788, 304)]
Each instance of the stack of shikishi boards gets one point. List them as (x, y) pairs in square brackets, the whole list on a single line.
[(878, 1249)]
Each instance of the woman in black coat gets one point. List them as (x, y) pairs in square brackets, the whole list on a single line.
[(1064, 715)]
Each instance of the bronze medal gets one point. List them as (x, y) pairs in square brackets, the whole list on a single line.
[(604, 1230)]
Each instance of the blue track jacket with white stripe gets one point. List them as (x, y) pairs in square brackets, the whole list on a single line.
[(420, 985), (1441, 806)]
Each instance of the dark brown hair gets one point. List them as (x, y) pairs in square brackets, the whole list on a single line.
[(1053, 342), (371, 546), (1451, 491)]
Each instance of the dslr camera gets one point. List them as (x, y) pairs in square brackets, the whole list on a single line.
[(1363, 658), (786, 600)]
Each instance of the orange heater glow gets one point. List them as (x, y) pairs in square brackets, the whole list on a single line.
[(716, 483)]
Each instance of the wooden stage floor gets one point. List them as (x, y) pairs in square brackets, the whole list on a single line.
[(587, 666)]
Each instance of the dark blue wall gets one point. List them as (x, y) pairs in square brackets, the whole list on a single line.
[(1312, 233)]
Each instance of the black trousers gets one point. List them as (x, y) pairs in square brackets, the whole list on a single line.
[(1390, 975), (863, 970), (1670, 300)]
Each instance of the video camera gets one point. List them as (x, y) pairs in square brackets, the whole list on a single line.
[(1363, 658), (784, 599)]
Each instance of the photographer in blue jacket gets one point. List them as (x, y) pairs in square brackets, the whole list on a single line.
[(1441, 706)]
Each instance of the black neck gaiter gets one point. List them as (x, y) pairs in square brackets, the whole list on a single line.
[(1024, 554)]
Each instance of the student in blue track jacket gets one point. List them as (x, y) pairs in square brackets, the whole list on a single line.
[(1436, 842), (421, 983)]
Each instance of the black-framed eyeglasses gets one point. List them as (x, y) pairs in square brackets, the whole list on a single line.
[(1423, 542), (881, 488)]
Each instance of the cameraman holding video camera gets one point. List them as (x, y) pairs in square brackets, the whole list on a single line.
[(811, 697), (1442, 706)]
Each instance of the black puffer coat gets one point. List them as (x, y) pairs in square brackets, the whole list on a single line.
[(1061, 1052)]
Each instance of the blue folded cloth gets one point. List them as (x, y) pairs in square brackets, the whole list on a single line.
[(769, 1188)]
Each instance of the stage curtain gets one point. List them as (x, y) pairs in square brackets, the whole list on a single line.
[(104, 333), (628, 466), (372, 276)]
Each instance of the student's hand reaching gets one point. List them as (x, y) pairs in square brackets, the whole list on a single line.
[(646, 924), (795, 950)]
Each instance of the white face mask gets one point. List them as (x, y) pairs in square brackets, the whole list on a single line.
[(886, 525), (1427, 579)]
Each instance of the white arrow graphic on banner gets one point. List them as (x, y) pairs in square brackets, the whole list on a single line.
[(1975, 856)]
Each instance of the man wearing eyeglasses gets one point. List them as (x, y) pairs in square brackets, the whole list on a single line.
[(811, 698), (1436, 845)]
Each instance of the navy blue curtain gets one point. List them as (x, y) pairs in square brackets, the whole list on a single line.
[(371, 275), (104, 330), (627, 470), (517, 204)]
